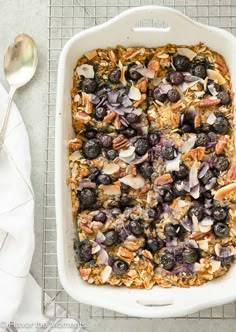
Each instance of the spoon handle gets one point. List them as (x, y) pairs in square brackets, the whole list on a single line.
[(5, 117)]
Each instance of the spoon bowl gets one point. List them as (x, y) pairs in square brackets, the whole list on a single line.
[(20, 61)]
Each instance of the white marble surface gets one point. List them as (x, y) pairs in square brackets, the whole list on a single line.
[(30, 16)]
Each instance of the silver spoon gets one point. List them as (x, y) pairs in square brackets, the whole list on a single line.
[(20, 63)]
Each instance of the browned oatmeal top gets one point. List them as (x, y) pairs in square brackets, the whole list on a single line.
[(152, 166)]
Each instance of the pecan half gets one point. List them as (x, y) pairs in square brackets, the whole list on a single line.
[(166, 178), (120, 142), (82, 116), (221, 144), (231, 175), (221, 67), (75, 144), (195, 154), (109, 117), (197, 121), (142, 84), (154, 64), (207, 102)]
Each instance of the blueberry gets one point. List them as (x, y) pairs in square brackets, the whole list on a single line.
[(153, 139), (182, 172), (146, 169), (114, 76), (115, 212), (171, 230), (153, 213), (202, 140), (158, 95), (181, 62), (129, 132), (93, 173), (168, 152), (91, 149), (196, 211), (173, 95), (112, 154), (106, 140), (154, 245), (221, 230), (178, 189), (85, 251), (124, 188), (224, 97), (221, 125), (100, 113), (132, 118), (219, 213), (191, 255), (136, 227), (125, 201), (168, 197), (167, 261), (141, 146), (104, 179), (111, 238), (87, 198), (131, 72), (88, 85), (176, 77), (207, 177), (90, 134), (226, 261), (199, 71), (120, 267), (221, 163), (100, 216), (186, 128)]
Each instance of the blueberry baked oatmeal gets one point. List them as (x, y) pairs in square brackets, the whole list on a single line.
[(153, 173)]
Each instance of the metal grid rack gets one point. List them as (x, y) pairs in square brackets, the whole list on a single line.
[(67, 17)]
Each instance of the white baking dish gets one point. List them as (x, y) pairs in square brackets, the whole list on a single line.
[(157, 302)]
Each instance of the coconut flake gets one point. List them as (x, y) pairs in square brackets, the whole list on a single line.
[(105, 274), (198, 267), (173, 165), (207, 221), (76, 155), (148, 73), (127, 152), (224, 251), (195, 223), (95, 247), (215, 76), (215, 265), (85, 70), (204, 228), (102, 257), (77, 98), (186, 52), (110, 189), (211, 118), (134, 93), (164, 88), (139, 160), (204, 168), (110, 169), (135, 182), (199, 94), (100, 237), (203, 244), (195, 191), (191, 243), (193, 175), (188, 144)]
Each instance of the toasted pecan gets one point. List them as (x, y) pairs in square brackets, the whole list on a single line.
[(163, 179), (120, 142)]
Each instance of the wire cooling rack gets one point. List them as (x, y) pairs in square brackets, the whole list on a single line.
[(67, 17)]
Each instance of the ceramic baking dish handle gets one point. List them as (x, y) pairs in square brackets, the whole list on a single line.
[(156, 307), (175, 21)]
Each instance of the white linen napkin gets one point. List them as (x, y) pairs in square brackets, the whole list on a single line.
[(20, 295), (16, 212)]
